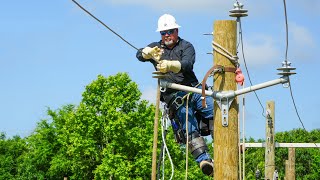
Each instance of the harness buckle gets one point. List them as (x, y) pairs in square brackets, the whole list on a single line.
[(177, 102)]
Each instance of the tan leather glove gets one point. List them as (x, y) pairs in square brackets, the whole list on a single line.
[(151, 53), (165, 66)]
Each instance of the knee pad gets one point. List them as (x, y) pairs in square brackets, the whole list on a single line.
[(197, 145)]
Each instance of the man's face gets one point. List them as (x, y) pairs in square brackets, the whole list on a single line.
[(169, 37)]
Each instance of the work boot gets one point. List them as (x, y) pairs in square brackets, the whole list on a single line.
[(206, 167)]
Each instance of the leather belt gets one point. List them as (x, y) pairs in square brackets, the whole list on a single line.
[(222, 70)]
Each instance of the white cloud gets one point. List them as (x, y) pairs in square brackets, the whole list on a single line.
[(301, 35), (256, 8), (260, 50), (179, 5), (310, 6), (149, 93), (302, 44)]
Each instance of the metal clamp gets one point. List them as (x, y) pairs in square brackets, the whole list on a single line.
[(159, 75), (163, 89)]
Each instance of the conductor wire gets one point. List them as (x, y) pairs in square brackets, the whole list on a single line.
[(156, 60), (105, 25)]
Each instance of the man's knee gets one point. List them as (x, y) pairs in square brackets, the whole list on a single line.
[(197, 145)]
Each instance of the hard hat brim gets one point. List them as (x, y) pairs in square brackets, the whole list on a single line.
[(167, 28)]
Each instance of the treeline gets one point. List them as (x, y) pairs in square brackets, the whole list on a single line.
[(109, 135), (307, 160)]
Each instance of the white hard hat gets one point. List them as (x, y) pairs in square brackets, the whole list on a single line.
[(167, 22)]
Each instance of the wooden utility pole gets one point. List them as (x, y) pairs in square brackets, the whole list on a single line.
[(269, 153), (290, 165), (225, 137)]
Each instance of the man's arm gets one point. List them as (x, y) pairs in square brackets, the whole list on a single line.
[(139, 55), (188, 57)]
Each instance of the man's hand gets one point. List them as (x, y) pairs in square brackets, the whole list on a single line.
[(165, 66), (151, 53)]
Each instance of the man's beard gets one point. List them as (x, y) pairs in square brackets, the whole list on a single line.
[(168, 43)]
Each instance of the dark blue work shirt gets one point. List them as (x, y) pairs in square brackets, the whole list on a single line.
[(184, 52)]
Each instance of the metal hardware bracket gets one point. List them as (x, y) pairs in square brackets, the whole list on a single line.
[(224, 105)]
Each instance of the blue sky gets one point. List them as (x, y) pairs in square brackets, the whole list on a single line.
[(50, 50)]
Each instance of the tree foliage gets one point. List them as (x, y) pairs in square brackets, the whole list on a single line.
[(109, 135), (10, 152), (307, 159)]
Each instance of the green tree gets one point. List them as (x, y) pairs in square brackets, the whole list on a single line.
[(10, 151), (41, 146), (45, 156), (109, 135), (307, 159), (61, 163)]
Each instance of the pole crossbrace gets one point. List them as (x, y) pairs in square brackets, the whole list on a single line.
[(283, 145)]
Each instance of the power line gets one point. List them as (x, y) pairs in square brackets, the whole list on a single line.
[(245, 64), (105, 25), (295, 107), (286, 58), (286, 22)]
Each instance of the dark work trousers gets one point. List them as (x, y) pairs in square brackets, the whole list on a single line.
[(195, 105)]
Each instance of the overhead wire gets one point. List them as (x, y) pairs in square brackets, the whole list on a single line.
[(245, 64), (158, 89), (242, 148), (239, 131), (240, 42), (243, 55), (287, 34), (286, 60), (85, 10), (106, 26)]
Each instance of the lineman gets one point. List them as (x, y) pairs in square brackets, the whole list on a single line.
[(176, 58)]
